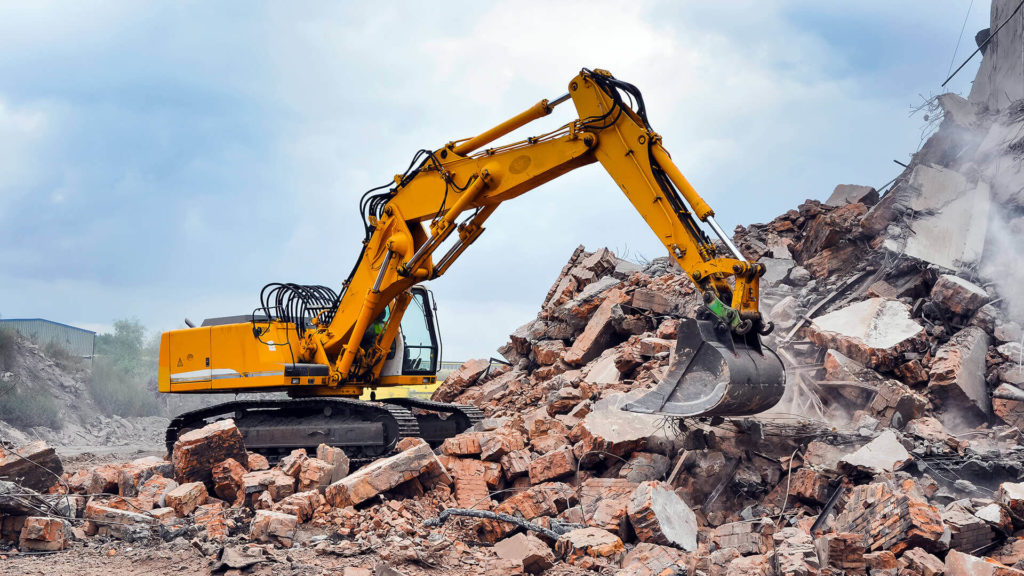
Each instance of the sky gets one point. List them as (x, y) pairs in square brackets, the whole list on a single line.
[(164, 160)]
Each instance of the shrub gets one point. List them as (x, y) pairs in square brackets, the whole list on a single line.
[(59, 354), (120, 392), (24, 408)]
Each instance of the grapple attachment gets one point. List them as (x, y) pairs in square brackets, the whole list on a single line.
[(715, 373)]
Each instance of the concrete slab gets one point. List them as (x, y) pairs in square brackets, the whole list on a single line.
[(883, 454), (948, 221), (849, 193), (873, 332)]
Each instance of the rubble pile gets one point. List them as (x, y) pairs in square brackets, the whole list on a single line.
[(897, 450)]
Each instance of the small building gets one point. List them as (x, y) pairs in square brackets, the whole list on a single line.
[(77, 341)]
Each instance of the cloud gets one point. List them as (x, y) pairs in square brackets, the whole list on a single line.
[(168, 159)]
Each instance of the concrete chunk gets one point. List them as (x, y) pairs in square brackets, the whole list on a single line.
[(660, 516), (958, 295), (958, 372), (526, 550), (883, 454), (844, 194), (34, 465), (873, 332), (960, 564)]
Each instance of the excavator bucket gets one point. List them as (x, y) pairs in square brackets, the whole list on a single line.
[(715, 373)]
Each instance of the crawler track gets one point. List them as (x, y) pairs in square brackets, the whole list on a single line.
[(365, 430), (437, 420)]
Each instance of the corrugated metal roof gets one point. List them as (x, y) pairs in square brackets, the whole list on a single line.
[(77, 341), (2, 320)]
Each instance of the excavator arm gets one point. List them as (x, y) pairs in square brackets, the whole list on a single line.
[(418, 226)]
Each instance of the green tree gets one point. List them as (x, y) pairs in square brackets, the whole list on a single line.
[(124, 370)]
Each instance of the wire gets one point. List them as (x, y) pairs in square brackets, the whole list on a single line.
[(985, 43), (952, 60)]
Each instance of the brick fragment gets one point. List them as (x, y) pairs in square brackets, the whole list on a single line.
[(553, 465), (131, 477), (120, 524), (42, 534), (196, 452), (274, 527), (211, 518), (256, 461), (315, 474), (338, 460), (530, 553), (385, 474), (465, 444), (923, 563), (153, 492), (516, 463), (186, 498), (577, 545), (494, 445), (227, 480), (892, 520), (549, 499), (292, 463), (745, 537)]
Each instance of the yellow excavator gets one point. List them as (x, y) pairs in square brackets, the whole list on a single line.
[(324, 348)]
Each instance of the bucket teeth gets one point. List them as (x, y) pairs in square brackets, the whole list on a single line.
[(715, 374)]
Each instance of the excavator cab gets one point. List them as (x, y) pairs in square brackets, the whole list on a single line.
[(416, 350)]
